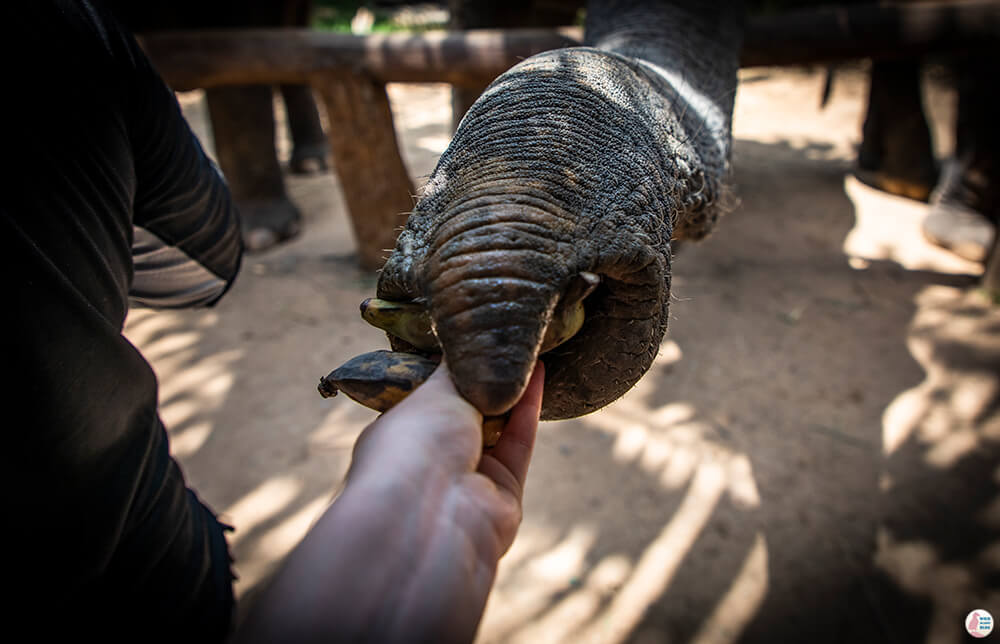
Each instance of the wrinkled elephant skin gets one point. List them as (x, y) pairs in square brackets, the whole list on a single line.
[(584, 159)]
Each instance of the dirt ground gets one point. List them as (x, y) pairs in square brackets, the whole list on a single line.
[(813, 457)]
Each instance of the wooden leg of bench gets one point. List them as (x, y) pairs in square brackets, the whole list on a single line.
[(374, 180)]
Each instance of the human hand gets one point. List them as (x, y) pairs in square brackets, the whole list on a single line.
[(409, 550)]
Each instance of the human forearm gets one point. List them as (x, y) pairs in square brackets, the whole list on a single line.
[(408, 552), (373, 569)]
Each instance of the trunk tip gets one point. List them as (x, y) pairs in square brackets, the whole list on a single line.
[(490, 398)]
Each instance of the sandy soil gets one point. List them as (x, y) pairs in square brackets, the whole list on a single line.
[(813, 457)]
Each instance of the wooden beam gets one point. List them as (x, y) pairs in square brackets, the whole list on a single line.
[(195, 59)]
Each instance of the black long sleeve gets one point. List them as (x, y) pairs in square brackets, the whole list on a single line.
[(101, 533)]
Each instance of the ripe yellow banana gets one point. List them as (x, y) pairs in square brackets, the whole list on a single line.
[(568, 316), (409, 321), (381, 379)]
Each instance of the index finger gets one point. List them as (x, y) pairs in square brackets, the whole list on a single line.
[(513, 449)]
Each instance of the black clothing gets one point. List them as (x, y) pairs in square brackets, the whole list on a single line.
[(106, 195)]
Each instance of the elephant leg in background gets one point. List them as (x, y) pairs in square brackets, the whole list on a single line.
[(475, 14), (965, 206), (310, 148), (896, 153), (585, 160), (242, 117), (243, 128)]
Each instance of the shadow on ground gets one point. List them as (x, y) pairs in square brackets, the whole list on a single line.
[(818, 443)]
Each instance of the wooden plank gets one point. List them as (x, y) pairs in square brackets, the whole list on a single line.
[(472, 58), (189, 60), (373, 178)]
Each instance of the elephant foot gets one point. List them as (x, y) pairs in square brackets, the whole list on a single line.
[(310, 147), (267, 223), (896, 153), (894, 184), (309, 158), (905, 175)]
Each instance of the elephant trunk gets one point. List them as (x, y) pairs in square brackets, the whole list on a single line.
[(585, 160), (493, 279)]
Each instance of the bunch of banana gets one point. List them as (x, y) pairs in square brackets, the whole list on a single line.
[(381, 379)]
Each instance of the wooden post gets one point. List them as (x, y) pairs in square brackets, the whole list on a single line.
[(374, 180)]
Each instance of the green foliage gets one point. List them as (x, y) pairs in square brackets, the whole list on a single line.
[(336, 15)]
